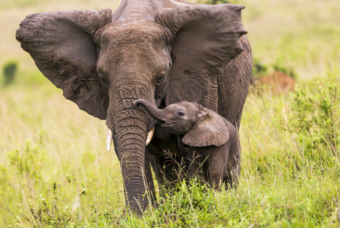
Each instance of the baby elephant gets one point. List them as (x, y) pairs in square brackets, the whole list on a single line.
[(210, 140)]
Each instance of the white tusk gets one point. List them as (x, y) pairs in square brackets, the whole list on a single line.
[(149, 136), (108, 140)]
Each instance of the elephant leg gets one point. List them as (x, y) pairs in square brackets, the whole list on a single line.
[(217, 161), (157, 167), (233, 170), (156, 163), (184, 154), (149, 181), (166, 173), (193, 163), (164, 163), (215, 176)]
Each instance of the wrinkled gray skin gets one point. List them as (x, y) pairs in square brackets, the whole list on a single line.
[(211, 142), (162, 51)]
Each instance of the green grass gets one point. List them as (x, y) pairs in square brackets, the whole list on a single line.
[(55, 171)]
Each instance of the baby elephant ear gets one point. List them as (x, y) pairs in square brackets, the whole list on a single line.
[(212, 131)]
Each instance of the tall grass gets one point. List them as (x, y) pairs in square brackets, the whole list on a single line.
[(55, 171)]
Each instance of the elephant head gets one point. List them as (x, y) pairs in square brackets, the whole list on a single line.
[(198, 125), (161, 51)]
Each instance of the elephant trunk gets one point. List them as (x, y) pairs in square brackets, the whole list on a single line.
[(130, 127), (154, 112), (131, 137)]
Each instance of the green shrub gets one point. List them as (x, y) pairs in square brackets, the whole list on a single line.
[(29, 162), (284, 69), (314, 122), (9, 71), (4, 180), (193, 204), (259, 68)]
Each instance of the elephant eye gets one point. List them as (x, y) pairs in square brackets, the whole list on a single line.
[(180, 113), (159, 79)]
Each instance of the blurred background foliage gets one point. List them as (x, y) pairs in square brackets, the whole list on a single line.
[(9, 70), (54, 169)]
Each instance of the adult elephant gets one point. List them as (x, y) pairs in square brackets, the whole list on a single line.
[(163, 51)]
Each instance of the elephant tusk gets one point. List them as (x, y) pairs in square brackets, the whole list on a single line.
[(149, 136), (108, 140)]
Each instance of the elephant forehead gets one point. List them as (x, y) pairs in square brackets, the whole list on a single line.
[(131, 33), (185, 106), (188, 105)]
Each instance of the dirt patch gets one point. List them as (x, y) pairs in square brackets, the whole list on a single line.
[(278, 81)]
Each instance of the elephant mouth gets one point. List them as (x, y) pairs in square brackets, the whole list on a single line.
[(162, 122), (165, 124)]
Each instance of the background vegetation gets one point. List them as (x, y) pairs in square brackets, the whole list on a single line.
[(55, 171)]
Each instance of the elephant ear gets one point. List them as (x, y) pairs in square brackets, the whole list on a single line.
[(211, 131), (64, 49), (205, 39)]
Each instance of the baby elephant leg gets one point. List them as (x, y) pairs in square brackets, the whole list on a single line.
[(216, 167), (192, 163), (233, 170), (190, 157)]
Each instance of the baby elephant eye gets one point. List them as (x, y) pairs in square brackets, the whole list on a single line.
[(180, 113)]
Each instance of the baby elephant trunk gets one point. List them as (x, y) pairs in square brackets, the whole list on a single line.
[(154, 112)]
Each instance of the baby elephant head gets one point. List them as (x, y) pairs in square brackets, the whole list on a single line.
[(198, 125)]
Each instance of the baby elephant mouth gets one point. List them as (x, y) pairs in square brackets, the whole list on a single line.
[(162, 122), (166, 125)]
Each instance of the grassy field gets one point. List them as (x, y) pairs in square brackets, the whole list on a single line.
[(55, 172)]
